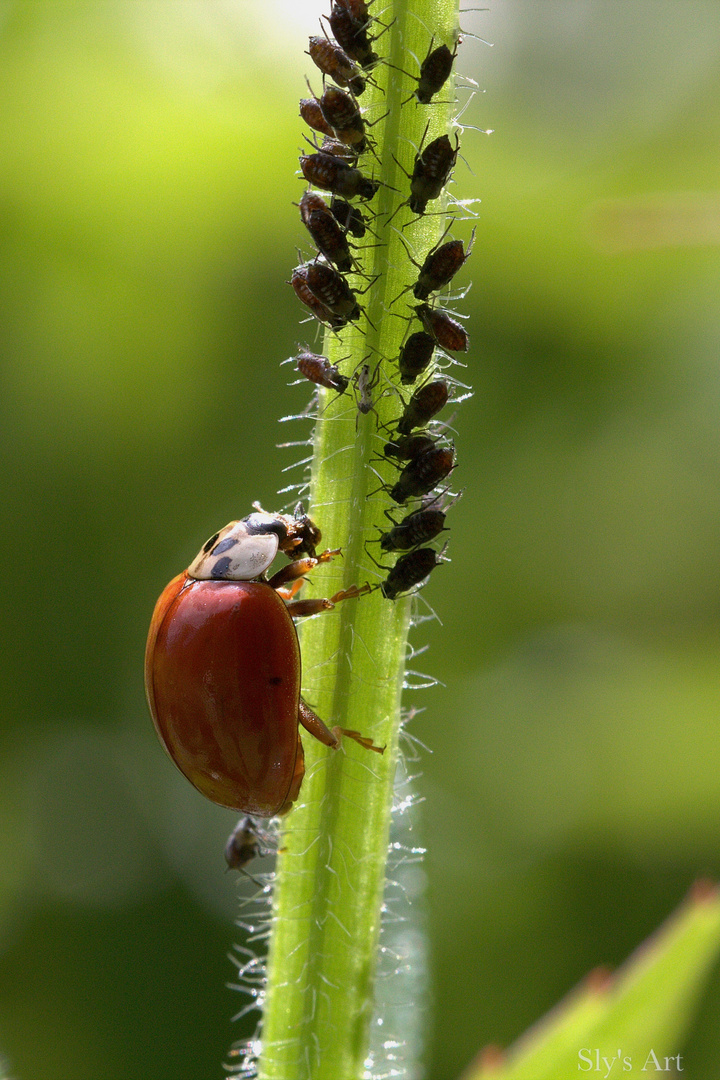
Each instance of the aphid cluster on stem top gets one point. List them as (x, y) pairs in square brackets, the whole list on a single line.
[(424, 458), (222, 661)]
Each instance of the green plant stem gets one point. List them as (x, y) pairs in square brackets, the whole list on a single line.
[(331, 869)]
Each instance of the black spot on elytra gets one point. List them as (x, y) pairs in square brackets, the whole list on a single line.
[(277, 680)]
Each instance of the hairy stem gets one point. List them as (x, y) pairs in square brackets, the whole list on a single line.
[(331, 869)]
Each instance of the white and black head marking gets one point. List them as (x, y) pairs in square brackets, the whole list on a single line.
[(243, 550)]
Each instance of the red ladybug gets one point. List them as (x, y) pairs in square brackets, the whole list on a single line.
[(222, 666)]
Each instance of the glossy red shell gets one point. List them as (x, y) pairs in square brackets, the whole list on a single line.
[(222, 671)]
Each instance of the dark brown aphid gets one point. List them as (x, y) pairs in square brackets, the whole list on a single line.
[(311, 113), (348, 216), (318, 369), (243, 844), (415, 529), (405, 447), (415, 355), (325, 231), (422, 473), (431, 171), (426, 402), (435, 72), (447, 331), (335, 62), (333, 174), (332, 290), (440, 267), (306, 296), (348, 153), (409, 571), (342, 113), (349, 21)]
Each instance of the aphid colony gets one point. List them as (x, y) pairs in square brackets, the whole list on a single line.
[(336, 207), (222, 660)]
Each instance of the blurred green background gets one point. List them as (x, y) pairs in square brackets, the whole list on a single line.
[(573, 793)]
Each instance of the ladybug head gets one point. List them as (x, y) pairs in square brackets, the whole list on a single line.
[(238, 552)]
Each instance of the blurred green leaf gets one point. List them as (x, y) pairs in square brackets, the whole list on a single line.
[(632, 1022)]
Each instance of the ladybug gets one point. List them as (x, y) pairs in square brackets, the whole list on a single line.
[(222, 666)]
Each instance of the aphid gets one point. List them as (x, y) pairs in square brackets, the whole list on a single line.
[(447, 331), (365, 384), (431, 171), (415, 355), (222, 671), (332, 290), (304, 293), (333, 61), (404, 447), (440, 267), (417, 528), (426, 402), (348, 153), (342, 114), (332, 174), (348, 216), (311, 113), (434, 72), (244, 844), (410, 570), (325, 231), (318, 369), (423, 473), (349, 21)]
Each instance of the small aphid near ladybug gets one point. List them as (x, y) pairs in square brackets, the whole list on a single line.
[(447, 331), (319, 370), (416, 528), (426, 402), (334, 62), (330, 173), (325, 231), (222, 668), (244, 844), (410, 570), (423, 473)]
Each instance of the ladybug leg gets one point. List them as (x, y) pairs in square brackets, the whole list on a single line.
[(331, 737), (298, 608), (299, 567), (289, 592)]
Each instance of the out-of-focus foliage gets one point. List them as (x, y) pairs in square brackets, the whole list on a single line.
[(146, 231)]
